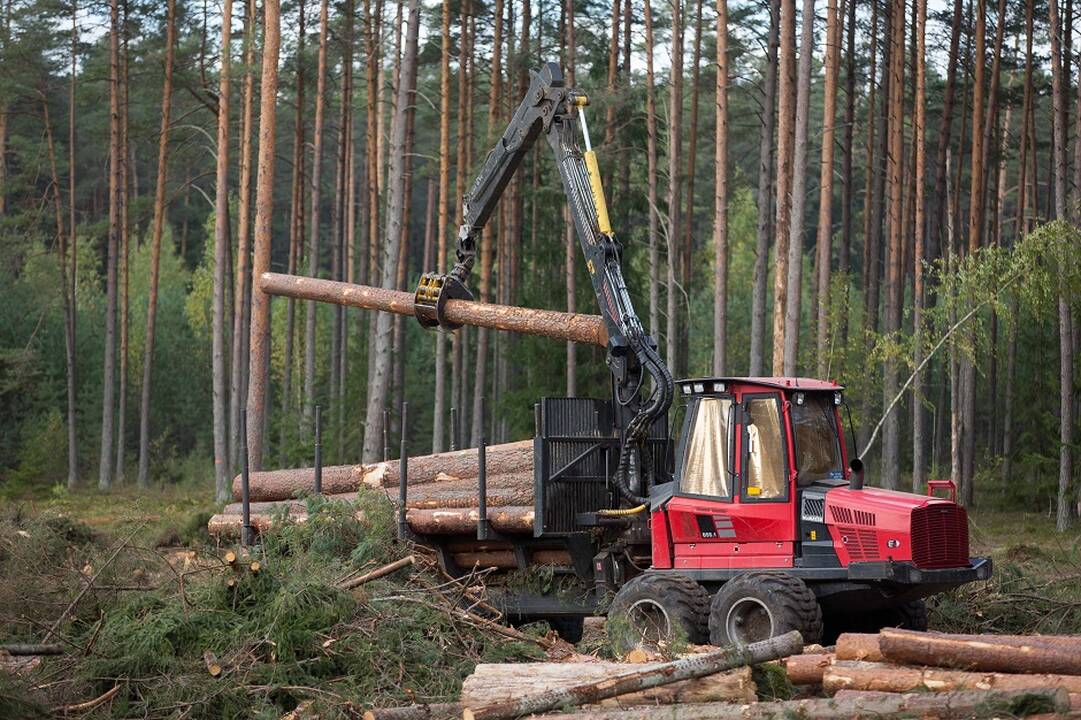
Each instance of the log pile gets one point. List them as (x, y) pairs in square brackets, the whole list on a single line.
[(442, 492), (864, 676), (895, 662)]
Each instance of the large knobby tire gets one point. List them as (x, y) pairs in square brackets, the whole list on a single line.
[(756, 606), (911, 615), (654, 610)]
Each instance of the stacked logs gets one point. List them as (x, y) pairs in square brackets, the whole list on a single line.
[(718, 684), (442, 493), (902, 661)]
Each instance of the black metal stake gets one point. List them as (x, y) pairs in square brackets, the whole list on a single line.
[(453, 428), (318, 450), (403, 480), (483, 526), (245, 487)]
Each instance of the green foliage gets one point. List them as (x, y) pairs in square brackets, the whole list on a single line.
[(282, 635)]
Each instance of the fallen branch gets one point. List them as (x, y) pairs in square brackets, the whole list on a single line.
[(32, 649), (684, 669), (378, 573), (979, 653), (89, 704), (90, 583), (965, 704)]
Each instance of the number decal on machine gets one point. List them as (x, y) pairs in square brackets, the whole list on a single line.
[(715, 527)]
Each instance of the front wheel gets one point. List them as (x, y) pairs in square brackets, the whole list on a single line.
[(756, 606), (654, 611)]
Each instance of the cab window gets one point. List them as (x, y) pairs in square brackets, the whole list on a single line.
[(818, 449), (765, 477), (706, 469)]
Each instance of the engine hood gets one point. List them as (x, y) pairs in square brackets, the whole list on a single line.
[(872, 524)]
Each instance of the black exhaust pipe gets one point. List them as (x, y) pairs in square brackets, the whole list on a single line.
[(855, 479)]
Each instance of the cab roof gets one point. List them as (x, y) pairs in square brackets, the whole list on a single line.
[(784, 383)]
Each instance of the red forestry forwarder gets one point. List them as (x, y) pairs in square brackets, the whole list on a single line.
[(751, 523)]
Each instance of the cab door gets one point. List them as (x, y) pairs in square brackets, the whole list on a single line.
[(700, 514), (764, 515)]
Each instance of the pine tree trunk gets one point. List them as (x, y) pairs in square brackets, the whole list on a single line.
[(894, 277), (108, 411), (720, 207), (69, 269), (938, 198), (440, 409), (242, 282), (1065, 321), (675, 185), (793, 286), (381, 347), (919, 129), (124, 259), (296, 234), (340, 224), (651, 180), (765, 196), (845, 259), (786, 113), (155, 246), (824, 239), (480, 368), (258, 383), (222, 240), (687, 239), (313, 234)]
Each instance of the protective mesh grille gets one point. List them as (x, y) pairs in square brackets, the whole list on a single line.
[(940, 536)]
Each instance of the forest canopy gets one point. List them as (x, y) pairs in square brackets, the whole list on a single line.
[(883, 193)]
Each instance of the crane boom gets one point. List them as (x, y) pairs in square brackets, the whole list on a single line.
[(549, 108)]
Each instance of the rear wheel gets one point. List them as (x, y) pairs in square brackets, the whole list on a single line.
[(653, 611), (756, 606), (911, 615)]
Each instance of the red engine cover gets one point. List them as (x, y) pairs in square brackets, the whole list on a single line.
[(873, 524)]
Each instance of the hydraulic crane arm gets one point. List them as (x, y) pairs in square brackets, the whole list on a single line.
[(549, 109)]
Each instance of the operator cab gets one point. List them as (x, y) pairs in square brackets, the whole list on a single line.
[(749, 449)]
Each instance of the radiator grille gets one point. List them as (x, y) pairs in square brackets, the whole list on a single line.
[(940, 536), (814, 509), (861, 543), (848, 516)]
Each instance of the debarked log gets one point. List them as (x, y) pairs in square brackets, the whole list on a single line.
[(456, 521), (506, 459), (859, 646), (585, 693), (983, 653), (963, 704), (570, 327), (500, 682), (227, 526), (850, 675), (268, 485)]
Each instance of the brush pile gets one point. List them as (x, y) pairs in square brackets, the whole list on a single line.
[(333, 611)]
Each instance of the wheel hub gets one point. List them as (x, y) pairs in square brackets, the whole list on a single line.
[(749, 621)]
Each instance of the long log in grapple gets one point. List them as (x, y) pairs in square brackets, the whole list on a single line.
[(749, 523)]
